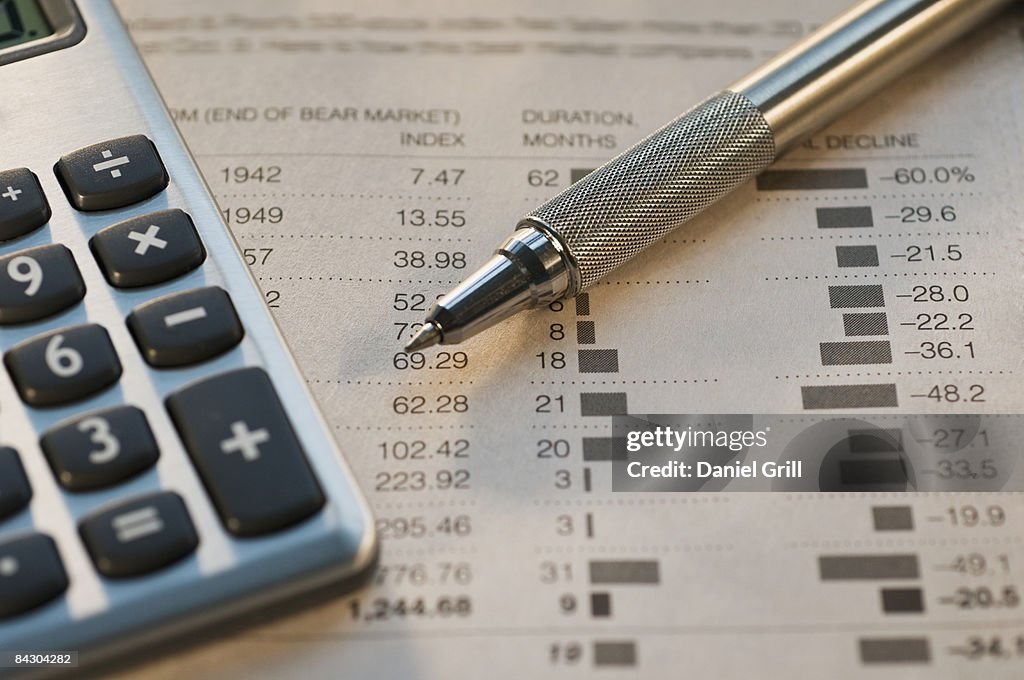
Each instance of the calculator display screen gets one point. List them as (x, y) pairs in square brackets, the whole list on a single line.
[(22, 21)]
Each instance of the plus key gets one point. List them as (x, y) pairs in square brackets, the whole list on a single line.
[(246, 451), (23, 206), (245, 441)]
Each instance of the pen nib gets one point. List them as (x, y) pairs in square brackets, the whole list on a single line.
[(428, 335)]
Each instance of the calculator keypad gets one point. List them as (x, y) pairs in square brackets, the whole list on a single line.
[(38, 282), (112, 174), (139, 536), (31, 573), (101, 448), (186, 328), (246, 452), (233, 424), (23, 205), (147, 250), (15, 491), (63, 366)]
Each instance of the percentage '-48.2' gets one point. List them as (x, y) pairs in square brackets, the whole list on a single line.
[(957, 174)]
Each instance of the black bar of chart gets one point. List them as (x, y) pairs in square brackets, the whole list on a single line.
[(876, 474), (586, 333), (583, 304), (892, 518), (902, 600), (823, 397), (854, 217), (856, 256), (875, 440), (576, 174), (857, 324), (894, 650), (812, 179), (624, 571), (597, 449), (858, 352), (868, 567), (615, 653), (600, 605), (598, 360), (603, 404), (845, 297)]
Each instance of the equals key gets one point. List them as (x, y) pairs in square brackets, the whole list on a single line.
[(186, 328)]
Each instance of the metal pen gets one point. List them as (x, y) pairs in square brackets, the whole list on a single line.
[(600, 222)]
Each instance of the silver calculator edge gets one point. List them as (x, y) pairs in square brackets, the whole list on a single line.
[(57, 102)]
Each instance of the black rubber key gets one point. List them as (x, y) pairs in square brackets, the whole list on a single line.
[(112, 174), (140, 535), (100, 449), (64, 365), (38, 282), (31, 573), (15, 492), (246, 451), (149, 249), (23, 205), (186, 328)]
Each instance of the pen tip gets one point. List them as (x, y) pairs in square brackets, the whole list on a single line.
[(428, 335)]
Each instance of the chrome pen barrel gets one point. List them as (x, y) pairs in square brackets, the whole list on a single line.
[(843, 63), (527, 270), (637, 198)]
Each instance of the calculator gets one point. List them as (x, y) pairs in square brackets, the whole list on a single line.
[(162, 464)]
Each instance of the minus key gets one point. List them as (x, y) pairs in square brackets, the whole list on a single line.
[(186, 328)]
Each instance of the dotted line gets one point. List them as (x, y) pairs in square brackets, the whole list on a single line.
[(908, 234), (352, 280), (895, 418), (566, 427), (362, 237), (399, 428), (887, 495), (633, 549), (398, 197), (868, 197), (873, 276), (667, 500), (623, 382), (328, 381), (648, 283), (914, 542), (889, 374), (400, 505), (389, 551)]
